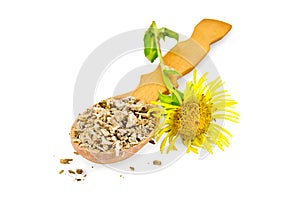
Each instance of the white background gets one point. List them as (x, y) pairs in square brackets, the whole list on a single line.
[(43, 45)]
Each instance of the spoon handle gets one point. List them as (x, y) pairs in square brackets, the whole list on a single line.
[(183, 58)]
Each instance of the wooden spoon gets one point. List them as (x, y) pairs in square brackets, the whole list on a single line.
[(183, 58)]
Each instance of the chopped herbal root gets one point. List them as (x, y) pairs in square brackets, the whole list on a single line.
[(114, 125), (65, 161)]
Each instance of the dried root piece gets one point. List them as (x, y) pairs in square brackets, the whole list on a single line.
[(65, 161), (71, 171), (157, 162), (113, 125), (79, 171), (132, 168)]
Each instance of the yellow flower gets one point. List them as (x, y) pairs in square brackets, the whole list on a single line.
[(194, 121)]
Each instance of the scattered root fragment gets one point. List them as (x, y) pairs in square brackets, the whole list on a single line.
[(157, 162), (79, 171), (65, 161), (77, 175), (76, 153), (152, 141), (132, 168), (71, 171)]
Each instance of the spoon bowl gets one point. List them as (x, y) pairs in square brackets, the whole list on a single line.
[(108, 157)]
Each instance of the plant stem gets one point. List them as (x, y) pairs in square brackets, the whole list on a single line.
[(166, 79)]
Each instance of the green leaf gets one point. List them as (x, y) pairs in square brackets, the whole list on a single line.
[(164, 98), (163, 32), (175, 101), (173, 72), (150, 47)]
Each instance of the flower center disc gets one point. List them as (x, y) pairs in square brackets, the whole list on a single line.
[(189, 120)]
